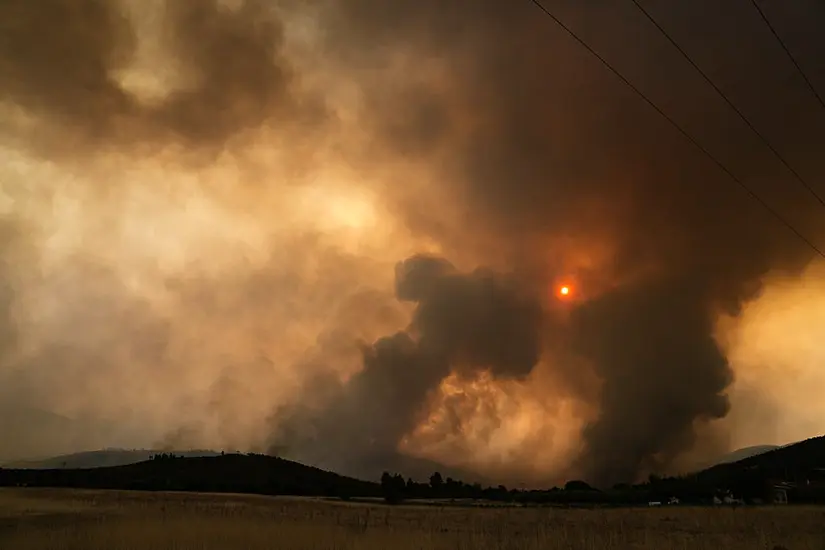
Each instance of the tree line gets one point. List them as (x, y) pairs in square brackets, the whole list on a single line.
[(752, 480), (749, 486)]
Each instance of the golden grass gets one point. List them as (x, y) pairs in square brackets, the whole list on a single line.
[(40, 519)]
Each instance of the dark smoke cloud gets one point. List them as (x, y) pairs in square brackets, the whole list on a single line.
[(560, 134), (660, 376), (462, 323), (58, 60)]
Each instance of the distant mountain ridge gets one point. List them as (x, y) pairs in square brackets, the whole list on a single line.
[(793, 460), (31, 432), (99, 459), (745, 452)]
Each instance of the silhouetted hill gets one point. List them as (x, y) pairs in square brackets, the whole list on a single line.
[(99, 459), (799, 469), (743, 453), (791, 462), (236, 473), (734, 456)]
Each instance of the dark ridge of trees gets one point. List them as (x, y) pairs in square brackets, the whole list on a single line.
[(100, 458), (577, 485), (752, 479), (783, 463), (235, 473)]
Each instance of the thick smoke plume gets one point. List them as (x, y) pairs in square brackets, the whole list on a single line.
[(660, 378), (462, 323), (337, 230), (78, 70)]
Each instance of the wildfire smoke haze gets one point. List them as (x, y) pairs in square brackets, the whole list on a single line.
[(330, 229)]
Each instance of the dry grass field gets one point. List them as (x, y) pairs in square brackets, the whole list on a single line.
[(40, 519)]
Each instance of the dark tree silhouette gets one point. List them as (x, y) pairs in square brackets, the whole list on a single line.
[(577, 485), (393, 488), (436, 482)]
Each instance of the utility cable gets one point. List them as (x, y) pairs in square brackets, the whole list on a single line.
[(788, 52), (730, 103), (684, 133)]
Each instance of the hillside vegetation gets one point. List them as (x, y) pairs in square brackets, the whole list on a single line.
[(801, 466), (99, 459), (235, 473)]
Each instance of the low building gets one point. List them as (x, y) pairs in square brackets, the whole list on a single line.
[(780, 495), (780, 491)]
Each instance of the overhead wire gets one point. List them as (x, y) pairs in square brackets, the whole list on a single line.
[(788, 52), (676, 125), (730, 103)]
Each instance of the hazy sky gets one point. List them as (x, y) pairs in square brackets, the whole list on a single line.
[(336, 230)]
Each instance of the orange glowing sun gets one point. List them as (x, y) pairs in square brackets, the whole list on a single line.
[(565, 291)]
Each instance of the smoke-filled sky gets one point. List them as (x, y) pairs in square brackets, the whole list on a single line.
[(336, 230)]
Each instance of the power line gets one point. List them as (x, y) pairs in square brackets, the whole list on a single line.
[(684, 133), (722, 94), (788, 52)]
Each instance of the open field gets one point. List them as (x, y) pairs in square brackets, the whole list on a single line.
[(45, 519)]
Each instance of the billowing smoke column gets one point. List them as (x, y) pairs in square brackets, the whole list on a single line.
[(560, 147), (206, 201), (653, 346), (462, 323)]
